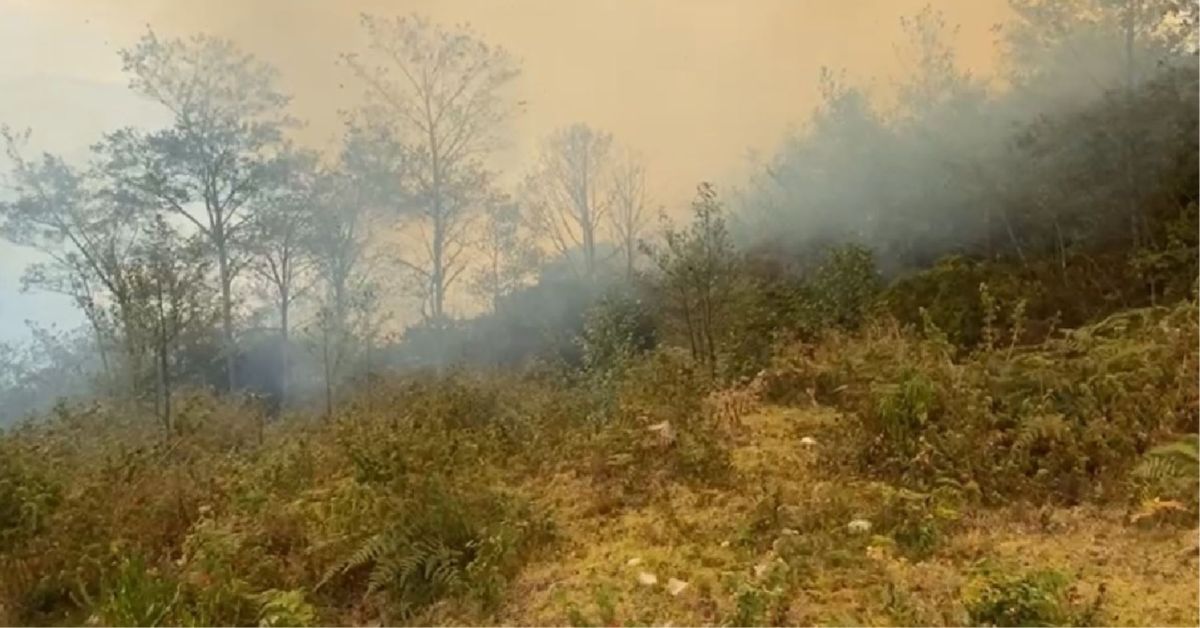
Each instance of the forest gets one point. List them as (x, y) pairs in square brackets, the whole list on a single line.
[(935, 362)]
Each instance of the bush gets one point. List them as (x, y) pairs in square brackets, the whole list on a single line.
[(1066, 420), (663, 389), (1034, 598), (446, 541), (615, 330)]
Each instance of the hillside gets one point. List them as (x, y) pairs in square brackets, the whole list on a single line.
[(469, 498)]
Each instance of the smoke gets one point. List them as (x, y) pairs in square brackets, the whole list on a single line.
[(952, 163)]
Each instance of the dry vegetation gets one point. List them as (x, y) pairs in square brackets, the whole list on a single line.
[(938, 368), (1005, 485)]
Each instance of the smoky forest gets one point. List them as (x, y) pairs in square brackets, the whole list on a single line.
[(600, 313)]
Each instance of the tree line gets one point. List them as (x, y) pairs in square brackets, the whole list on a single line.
[(198, 252), (175, 242)]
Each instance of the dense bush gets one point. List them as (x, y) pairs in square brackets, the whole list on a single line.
[(1065, 420), (1033, 598)]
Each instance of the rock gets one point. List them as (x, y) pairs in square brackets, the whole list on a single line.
[(647, 579), (634, 562), (725, 543), (808, 441), (859, 526), (675, 586)]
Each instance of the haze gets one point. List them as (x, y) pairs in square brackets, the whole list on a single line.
[(695, 87)]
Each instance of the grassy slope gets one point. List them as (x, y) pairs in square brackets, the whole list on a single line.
[(701, 537)]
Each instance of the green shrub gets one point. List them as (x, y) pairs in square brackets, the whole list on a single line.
[(616, 328), (1065, 420), (136, 595), (1033, 598), (285, 608), (27, 496), (662, 388), (843, 289)]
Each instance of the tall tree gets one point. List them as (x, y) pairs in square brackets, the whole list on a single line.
[(629, 215), (278, 236), (569, 192), (212, 163), (339, 245), (439, 92)]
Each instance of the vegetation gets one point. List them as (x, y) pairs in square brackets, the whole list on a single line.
[(925, 417)]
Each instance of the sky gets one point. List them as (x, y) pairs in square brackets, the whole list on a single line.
[(695, 86)]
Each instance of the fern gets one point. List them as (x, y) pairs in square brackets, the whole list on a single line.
[(1047, 428), (452, 545), (1171, 463)]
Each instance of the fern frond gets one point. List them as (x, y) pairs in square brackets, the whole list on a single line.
[(1043, 428)]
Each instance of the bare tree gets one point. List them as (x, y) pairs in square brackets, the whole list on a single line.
[(508, 255), (339, 246), (211, 163), (628, 217), (569, 191), (277, 238), (439, 92)]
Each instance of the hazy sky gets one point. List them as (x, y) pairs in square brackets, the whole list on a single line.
[(694, 85)]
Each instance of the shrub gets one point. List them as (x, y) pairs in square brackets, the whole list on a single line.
[(446, 541), (1033, 598), (842, 290), (1065, 420), (615, 330), (662, 389)]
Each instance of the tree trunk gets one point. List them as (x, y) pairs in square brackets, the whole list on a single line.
[(1130, 19), (328, 373), (227, 316), (438, 278), (284, 333), (629, 259), (164, 382)]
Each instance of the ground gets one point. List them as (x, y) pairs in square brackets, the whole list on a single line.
[(599, 573)]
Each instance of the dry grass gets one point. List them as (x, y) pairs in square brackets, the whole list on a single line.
[(697, 535)]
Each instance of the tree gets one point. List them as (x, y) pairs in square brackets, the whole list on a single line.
[(339, 249), (169, 279), (628, 216), (508, 255), (54, 211), (277, 237), (438, 92), (698, 269), (569, 192), (212, 163)]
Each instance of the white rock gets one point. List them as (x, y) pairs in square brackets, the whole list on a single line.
[(647, 579), (675, 586), (859, 526), (634, 562), (788, 532), (725, 543), (808, 441), (761, 569)]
